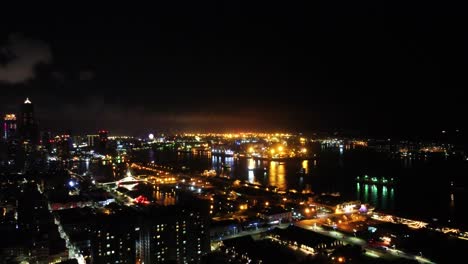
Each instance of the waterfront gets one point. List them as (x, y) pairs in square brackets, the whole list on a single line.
[(423, 187)]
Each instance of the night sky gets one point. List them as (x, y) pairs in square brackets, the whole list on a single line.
[(367, 67)]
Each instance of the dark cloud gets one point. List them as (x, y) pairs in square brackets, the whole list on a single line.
[(21, 56)]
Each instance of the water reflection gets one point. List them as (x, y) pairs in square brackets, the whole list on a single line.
[(229, 161), (164, 198), (332, 172), (277, 175), (272, 173), (305, 166), (379, 196), (392, 198), (384, 196), (374, 195), (281, 183), (251, 176), (251, 164)]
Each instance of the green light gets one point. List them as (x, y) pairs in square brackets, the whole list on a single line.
[(384, 197), (366, 192), (374, 195)]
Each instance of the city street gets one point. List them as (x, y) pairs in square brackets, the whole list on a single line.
[(388, 254)]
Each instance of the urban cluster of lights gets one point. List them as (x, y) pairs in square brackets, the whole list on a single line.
[(10, 117)]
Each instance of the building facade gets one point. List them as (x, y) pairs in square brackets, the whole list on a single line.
[(9, 127)]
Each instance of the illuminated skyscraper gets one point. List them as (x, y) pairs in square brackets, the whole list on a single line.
[(9, 126), (46, 140), (29, 131), (92, 140), (177, 233), (103, 138)]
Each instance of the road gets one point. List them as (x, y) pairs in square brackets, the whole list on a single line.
[(250, 232), (388, 254)]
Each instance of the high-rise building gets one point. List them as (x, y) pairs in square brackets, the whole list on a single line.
[(64, 145), (9, 126), (177, 233), (148, 234), (29, 131), (92, 140), (47, 140), (103, 139), (113, 240)]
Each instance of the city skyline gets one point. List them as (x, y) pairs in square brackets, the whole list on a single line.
[(234, 133)]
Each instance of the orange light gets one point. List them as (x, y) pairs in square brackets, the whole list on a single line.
[(340, 259), (10, 117)]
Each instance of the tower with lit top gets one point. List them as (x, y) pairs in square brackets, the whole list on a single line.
[(29, 131)]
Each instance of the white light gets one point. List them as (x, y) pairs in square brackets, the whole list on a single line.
[(151, 136), (71, 183)]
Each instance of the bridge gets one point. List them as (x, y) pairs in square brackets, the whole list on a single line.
[(128, 182)]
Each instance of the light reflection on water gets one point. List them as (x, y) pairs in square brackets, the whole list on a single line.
[(305, 166), (251, 176), (272, 173), (377, 195), (332, 172), (384, 196), (281, 182), (374, 198), (366, 193)]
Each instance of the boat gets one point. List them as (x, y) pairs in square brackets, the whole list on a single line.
[(376, 180)]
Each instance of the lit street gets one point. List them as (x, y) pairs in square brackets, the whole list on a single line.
[(389, 253)]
